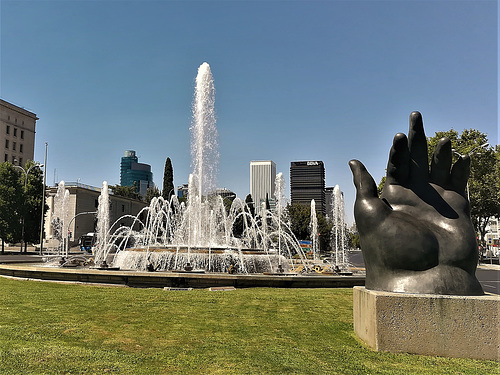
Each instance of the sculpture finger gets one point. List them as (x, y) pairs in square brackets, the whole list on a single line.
[(369, 210), (460, 174), (441, 163), (363, 181), (417, 143), (398, 165)]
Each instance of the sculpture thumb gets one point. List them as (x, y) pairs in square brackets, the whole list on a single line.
[(369, 210), (363, 181)]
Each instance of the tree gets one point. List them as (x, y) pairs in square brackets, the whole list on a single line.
[(380, 186), (354, 240), (11, 203), (483, 188), (238, 225), (168, 180), (151, 193), (126, 191), (250, 205), (300, 217), (32, 202)]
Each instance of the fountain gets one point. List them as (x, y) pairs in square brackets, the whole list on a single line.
[(206, 234), (202, 235)]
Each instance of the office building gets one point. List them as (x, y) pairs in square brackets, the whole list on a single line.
[(262, 182), (182, 191), (329, 201), (132, 172), (17, 133), (307, 182)]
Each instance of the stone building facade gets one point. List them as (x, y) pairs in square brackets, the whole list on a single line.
[(17, 134), (84, 198)]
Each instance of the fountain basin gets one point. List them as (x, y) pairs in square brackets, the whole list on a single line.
[(200, 259), (144, 279)]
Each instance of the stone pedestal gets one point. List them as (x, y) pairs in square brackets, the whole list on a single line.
[(427, 324)]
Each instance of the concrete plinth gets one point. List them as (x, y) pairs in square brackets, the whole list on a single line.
[(438, 325)]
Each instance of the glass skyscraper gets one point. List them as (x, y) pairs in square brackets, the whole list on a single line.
[(131, 171)]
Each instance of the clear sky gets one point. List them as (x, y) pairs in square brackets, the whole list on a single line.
[(295, 80)]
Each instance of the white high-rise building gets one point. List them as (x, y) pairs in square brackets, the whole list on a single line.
[(262, 182)]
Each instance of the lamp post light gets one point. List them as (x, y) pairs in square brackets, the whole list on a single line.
[(26, 172)]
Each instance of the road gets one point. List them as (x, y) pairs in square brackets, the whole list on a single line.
[(489, 277)]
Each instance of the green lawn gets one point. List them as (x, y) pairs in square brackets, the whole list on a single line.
[(49, 328)]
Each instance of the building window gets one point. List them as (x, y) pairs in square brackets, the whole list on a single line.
[(7, 144), (6, 157), (8, 129), (13, 159), (123, 208), (15, 120), (14, 146), (20, 148), (20, 161), (15, 132), (22, 134)]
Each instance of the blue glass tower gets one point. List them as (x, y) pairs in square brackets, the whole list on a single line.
[(131, 171)]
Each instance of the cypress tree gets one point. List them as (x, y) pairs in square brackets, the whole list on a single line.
[(249, 202), (168, 180)]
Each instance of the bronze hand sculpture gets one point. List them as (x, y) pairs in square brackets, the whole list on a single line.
[(418, 237)]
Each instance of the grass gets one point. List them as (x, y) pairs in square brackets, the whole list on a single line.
[(50, 328)]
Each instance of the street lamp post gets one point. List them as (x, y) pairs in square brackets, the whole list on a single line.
[(26, 172), (43, 199)]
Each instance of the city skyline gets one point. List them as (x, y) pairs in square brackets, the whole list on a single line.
[(294, 81)]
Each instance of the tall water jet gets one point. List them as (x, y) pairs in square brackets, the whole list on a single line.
[(279, 195), (204, 146), (60, 215), (338, 230), (102, 234), (204, 141), (314, 228)]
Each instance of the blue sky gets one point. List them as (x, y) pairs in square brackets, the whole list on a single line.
[(295, 80)]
